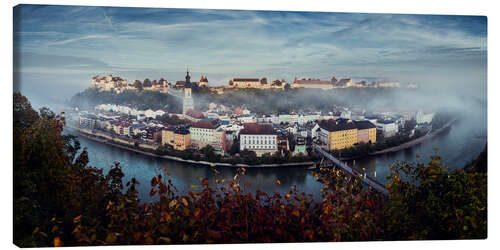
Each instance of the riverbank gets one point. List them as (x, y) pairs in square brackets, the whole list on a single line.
[(403, 146), (111, 142), (414, 142)]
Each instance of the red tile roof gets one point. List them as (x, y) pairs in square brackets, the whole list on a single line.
[(257, 129), (313, 82), (246, 79), (204, 124)]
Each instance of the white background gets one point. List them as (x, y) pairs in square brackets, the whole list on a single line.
[(455, 7)]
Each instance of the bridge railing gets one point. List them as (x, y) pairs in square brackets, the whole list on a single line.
[(366, 180)]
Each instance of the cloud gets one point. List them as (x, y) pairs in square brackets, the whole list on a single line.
[(77, 39), (251, 43), (26, 61)]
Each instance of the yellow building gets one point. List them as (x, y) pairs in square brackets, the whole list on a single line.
[(182, 139), (341, 134), (343, 139), (178, 138), (168, 136), (253, 83), (367, 132)]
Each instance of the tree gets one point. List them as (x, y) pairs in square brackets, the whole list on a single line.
[(263, 80), (47, 113), (235, 148), (146, 83), (24, 115), (287, 87), (138, 85), (409, 125), (291, 142), (435, 202)]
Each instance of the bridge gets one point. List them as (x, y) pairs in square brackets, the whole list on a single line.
[(353, 172)]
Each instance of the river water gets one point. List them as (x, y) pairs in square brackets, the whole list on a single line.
[(459, 144)]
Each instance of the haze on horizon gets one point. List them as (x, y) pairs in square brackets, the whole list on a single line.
[(57, 49)]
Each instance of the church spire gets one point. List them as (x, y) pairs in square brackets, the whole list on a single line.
[(188, 78)]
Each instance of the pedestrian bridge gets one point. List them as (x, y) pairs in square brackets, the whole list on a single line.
[(353, 172)]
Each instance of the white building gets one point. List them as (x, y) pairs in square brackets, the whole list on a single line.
[(422, 118), (203, 133), (247, 119), (260, 138), (388, 128), (346, 114)]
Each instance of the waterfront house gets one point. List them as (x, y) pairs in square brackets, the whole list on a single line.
[(367, 132), (168, 136), (203, 132), (338, 134), (387, 128), (182, 139), (423, 118), (260, 138), (283, 145), (300, 146)]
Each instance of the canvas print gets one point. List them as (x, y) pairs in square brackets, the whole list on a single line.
[(138, 126)]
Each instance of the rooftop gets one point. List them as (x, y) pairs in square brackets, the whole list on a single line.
[(332, 125), (313, 81), (257, 129), (364, 124), (245, 79)]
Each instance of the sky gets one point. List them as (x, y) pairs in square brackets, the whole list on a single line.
[(62, 47)]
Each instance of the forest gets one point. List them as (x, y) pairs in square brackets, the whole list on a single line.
[(59, 200)]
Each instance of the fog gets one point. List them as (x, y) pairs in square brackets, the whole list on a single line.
[(447, 88)]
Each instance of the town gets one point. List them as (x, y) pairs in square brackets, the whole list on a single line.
[(230, 131), (117, 84)]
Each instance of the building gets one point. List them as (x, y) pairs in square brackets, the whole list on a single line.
[(300, 146), (194, 115), (422, 118), (346, 114), (203, 82), (277, 84), (89, 121), (312, 129), (282, 142), (187, 101), (386, 84), (260, 138), (338, 134), (203, 133), (108, 83), (312, 83), (387, 128), (345, 82), (168, 136), (245, 83), (182, 139), (367, 132), (219, 143)]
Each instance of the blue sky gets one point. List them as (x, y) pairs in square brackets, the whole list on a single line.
[(135, 43)]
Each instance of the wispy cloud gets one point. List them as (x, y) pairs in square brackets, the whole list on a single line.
[(77, 39), (226, 43)]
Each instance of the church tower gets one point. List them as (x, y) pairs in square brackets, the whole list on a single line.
[(188, 78)]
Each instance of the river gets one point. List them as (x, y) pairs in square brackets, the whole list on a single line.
[(459, 144)]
